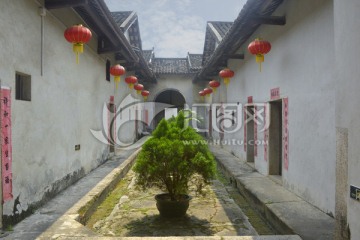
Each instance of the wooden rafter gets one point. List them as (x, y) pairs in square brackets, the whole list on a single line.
[(53, 4), (233, 56), (269, 20)]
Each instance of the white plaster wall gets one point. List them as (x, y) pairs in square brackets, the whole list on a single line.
[(66, 102), (182, 83), (301, 64), (347, 37)]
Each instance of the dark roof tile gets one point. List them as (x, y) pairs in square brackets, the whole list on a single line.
[(215, 32), (170, 66), (195, 61), (121, 17), (148, 55), (221, 27)]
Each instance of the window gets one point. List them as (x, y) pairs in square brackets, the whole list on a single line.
[(23, 86), (107, 70)]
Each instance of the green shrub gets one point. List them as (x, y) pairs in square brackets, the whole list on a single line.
[(174, 156)]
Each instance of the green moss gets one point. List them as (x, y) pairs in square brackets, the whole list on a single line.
[(108, 204)]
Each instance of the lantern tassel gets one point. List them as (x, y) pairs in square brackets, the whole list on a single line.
[(117, 80), (77, 58), (78, 48), (226, 81), (259, 59)]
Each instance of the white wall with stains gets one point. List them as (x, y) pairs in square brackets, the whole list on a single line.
[(347, 38), (301, 64), (66, 102)]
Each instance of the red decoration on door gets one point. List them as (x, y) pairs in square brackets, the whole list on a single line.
[(266, 132), (275, 93), (286, 132), (255, 133), (6, 144)]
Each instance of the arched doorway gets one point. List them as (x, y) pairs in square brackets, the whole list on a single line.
[(172, 97)]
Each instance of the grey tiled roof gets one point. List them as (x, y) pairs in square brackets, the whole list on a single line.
[(148, 55), (128, 22), (170, 66), (221, 27), (195, 61), (215, 32), (120, 17)]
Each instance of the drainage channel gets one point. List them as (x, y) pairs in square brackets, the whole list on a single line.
[(255, 218)]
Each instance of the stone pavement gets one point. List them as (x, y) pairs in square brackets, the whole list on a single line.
[(213, 213), (59, 218), (288, 213)]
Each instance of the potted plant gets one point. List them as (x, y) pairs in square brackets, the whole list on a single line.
[(175, 156)]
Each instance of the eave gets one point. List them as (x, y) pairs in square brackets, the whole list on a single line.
[(110, 37), (242, 29)]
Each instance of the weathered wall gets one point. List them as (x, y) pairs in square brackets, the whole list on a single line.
[(66, 102), (347, 37), (301, 64)]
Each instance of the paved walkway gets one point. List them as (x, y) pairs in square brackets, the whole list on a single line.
[(286, 211)]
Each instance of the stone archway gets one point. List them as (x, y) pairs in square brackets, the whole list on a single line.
[(172, 97)]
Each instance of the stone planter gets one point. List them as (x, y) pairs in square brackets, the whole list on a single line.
[(172, 209)]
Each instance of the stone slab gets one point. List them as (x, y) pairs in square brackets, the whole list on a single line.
[(287, 211), (284, 237), (306, 220)]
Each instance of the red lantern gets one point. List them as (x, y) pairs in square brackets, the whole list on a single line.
[(259, 47), (214, 85), (202, 94), (226, 74), (208, 91), (78, 35), (138, 87), (117, 70), (145, 94), (131, 80)]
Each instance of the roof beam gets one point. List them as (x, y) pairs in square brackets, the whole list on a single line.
[(54, 4), (129, 65), (269, 20), (105, 46), (234, 56)]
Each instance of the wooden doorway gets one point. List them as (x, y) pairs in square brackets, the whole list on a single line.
[(275, 138), (250, 136)]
